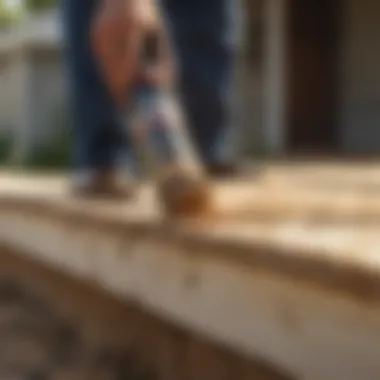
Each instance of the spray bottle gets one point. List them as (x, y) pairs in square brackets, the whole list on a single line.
[(161, 139)]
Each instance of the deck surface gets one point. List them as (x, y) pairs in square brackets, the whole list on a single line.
[(286, 268), (304, 220)]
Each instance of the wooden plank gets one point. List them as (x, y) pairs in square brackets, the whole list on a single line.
[(301, 294), (271, 224)]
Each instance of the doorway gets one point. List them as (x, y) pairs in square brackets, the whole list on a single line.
[(312, 76)]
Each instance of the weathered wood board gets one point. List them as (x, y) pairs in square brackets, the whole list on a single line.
[(289, 271)]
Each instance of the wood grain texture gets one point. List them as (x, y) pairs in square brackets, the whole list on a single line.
[(297, 291), (283, 222)]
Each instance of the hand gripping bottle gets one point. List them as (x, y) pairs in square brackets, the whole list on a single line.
[(162, 141)]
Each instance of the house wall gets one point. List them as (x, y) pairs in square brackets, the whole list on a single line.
[(32, 87), (360, 107), (33, 106), (359, 82)]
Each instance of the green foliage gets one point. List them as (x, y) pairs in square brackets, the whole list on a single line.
[(50, 155), (8, 15), (55, 155), (6, 146), (39, 5), (56, 152)]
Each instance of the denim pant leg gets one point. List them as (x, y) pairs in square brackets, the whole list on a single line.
[(203, 34), (98, 135)]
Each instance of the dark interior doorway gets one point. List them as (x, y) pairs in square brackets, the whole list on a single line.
[(312, 67)]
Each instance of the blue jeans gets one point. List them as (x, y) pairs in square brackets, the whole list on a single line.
[(201, 31)]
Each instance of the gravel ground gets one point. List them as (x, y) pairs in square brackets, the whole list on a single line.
[(37, 344)]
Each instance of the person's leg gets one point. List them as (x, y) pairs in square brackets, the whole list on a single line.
[(204, 39), (98, 136)]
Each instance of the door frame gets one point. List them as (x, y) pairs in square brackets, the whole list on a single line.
[(276, 50), (275, 57)]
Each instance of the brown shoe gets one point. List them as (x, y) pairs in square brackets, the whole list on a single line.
[(104, 184)]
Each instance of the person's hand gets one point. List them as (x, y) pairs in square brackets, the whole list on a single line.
[(117, 33)]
